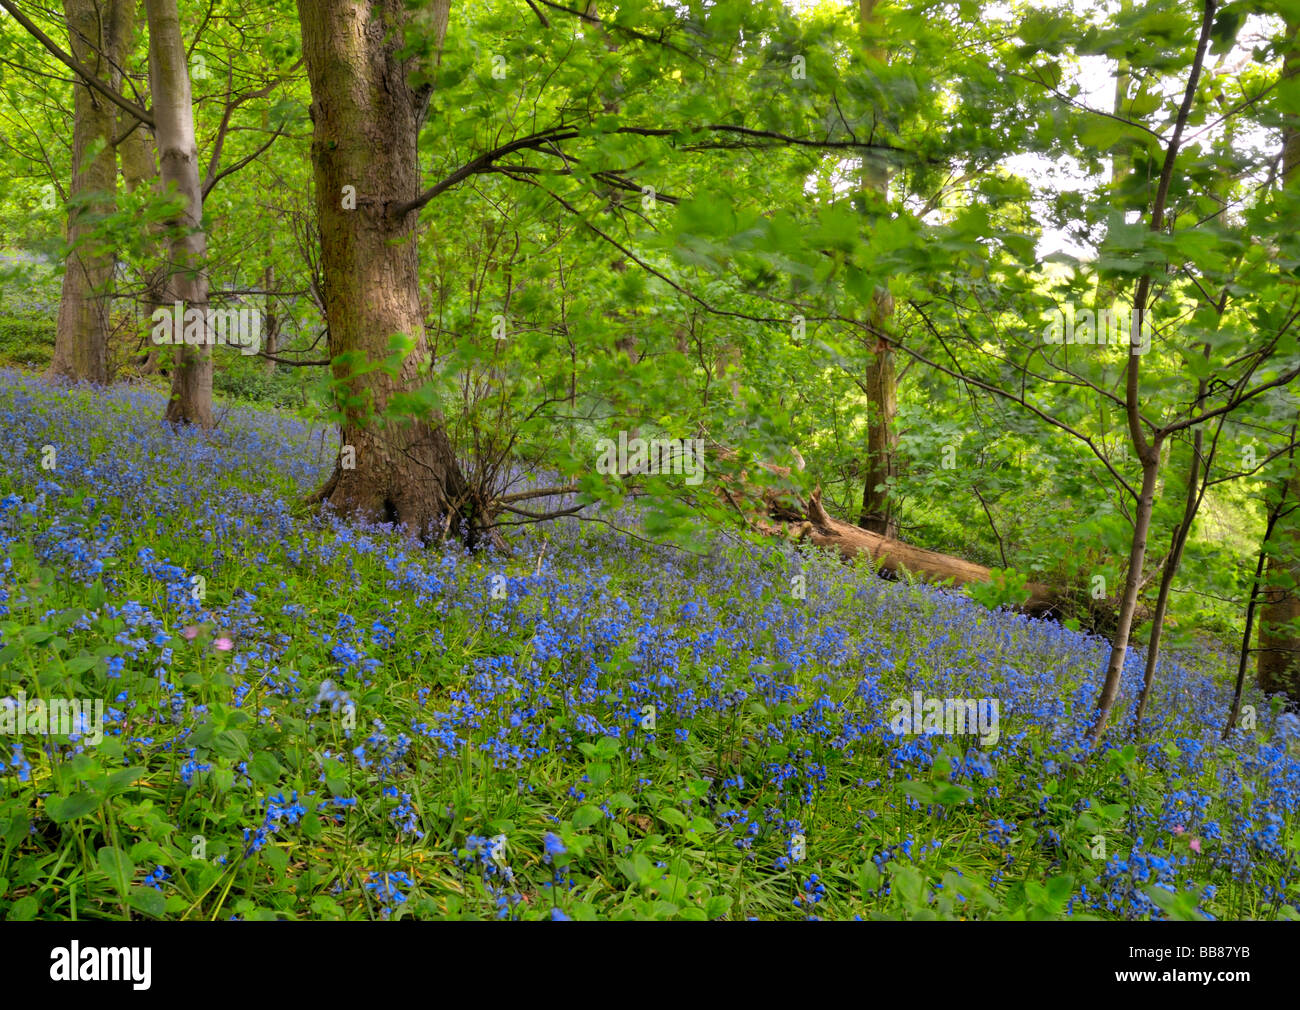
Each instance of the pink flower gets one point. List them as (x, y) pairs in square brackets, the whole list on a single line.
[(1196, 845), (191, 632), (224, 644), (1179, 829)]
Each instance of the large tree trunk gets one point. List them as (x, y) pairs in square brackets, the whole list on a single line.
[(880, 382), (139, 161), (367, 118), (98, 33), (178, 167)]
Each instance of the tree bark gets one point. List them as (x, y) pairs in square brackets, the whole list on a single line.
[(1183, 528), (367, 115), (271, 337), (178, 169), (139, 160), (1256, 585), (1279, 645), (99, 32), (1132, 585), (880, 382)]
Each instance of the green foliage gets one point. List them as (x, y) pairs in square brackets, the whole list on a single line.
[(26, 340)]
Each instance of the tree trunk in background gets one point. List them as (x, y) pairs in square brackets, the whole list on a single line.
[(178, 168), (140, 168), (98, 33), (880, 382), (367, 119), (1279, 644), (271, 337)]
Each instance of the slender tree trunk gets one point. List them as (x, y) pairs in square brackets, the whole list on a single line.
[(98, 33), (178, 169), (1132, 585), (1147, 451), (1170, 569), (1282, 508), (1279, 640), (367, 117), (880, 381), (271, 342), (1193, 491)]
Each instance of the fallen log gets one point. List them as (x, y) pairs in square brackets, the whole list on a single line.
[(783, 512), (895, 557)]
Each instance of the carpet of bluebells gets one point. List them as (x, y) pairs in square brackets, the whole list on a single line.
[(307, 718)]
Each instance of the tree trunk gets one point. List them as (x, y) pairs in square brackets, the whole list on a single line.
[(1252, 602), (1182, 529), (880, 382), (882, 439), (271, 341), (1279, 641), (140, 168), (367, 118), (1128, 604), (98, 33), (178, 168)]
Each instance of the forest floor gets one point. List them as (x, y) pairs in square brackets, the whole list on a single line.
[(303, 718)]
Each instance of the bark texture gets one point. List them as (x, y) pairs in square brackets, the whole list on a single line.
[(99, 32), (367, 112), (1279, 647), (880, 383), (139, 160), (178, 170)]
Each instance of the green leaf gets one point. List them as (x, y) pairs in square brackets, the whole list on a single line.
[(148, 900), (264, 768), (587, 815), (952, 794), (231, 743), (25, 909), (118, 866), (68, 808), (920, 791)]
